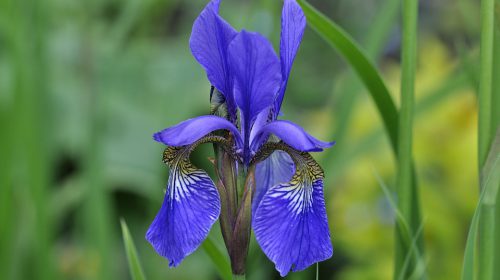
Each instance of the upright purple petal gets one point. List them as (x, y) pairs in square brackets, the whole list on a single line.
[(257, 74), (293, 135), (276, 169), (263, 118), (188, 131), (293, 23), (190, 208), (209, 41)]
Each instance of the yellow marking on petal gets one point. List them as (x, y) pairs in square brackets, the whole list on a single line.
[(173, 156), (307, 170)]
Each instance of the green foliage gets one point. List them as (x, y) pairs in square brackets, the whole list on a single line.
[(83, 85), (218, 258), (365, 69), (487, 154), (399, 129), (133, 260), (412, 254), (475, 250)]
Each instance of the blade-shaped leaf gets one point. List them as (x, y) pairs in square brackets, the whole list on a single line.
[(490, 184), (133, 260), (218, 258), (356, 57), (372, 79)]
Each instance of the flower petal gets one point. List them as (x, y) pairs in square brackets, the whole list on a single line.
[(293, 135), (209, 41), (293, 23), (263, 118), (277, 168), (290, 223), (256, 70), (189, 131), (190, 208)]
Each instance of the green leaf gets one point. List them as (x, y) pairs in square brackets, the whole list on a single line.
[(408, 239), (133, 260), (377, 34), (355, 56), (218, 258), (468, 265), (484, 217), (349, 49)]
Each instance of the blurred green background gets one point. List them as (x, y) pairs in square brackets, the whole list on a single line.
[(84, 85)]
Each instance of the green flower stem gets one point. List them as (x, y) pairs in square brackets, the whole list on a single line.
[(406, 190), (226, 185), (486, 223), (485, 80), (495, 117), (242, 225), (495, 90)]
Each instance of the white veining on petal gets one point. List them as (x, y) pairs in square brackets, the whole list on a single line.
[(190, 208), (290, 223)]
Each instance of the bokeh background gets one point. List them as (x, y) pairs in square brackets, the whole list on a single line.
[(84, 85)]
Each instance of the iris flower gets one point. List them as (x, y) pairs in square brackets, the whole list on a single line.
[(287, 206)]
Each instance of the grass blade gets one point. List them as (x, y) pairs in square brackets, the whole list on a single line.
[(367, 72), (490, 184), (468, 264), (218, 258), (378, 33), (133, 260), (356, 57), (411, 240)]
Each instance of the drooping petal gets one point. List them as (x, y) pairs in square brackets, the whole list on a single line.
[(209, 42), (293, 135), (290, 223), (189, 131), (190, 208), (277, 168), (293, 23), (257, 74)]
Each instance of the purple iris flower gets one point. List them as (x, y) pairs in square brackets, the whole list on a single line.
[(287, 205)]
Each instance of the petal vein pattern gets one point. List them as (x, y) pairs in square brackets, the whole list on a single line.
[(257, 75), (190, 207), (192, 130), (293, 23), (290, 222), (277, 168), (209, 41)]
